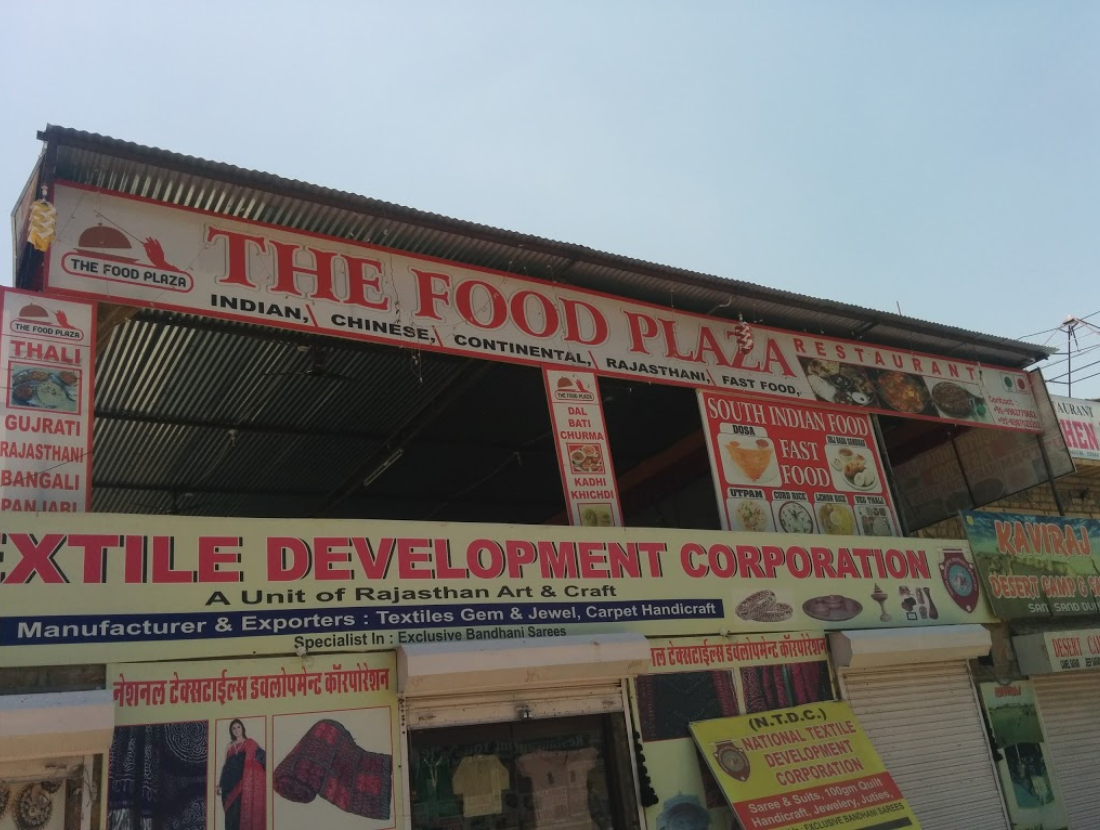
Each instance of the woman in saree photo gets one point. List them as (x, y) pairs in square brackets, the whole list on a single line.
[(242, 785)]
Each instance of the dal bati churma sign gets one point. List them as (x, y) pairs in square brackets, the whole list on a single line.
[(802, 768), (795, 469), (101, 587), (146, 253)]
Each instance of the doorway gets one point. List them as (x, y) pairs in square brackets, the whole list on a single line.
[(568, 773)]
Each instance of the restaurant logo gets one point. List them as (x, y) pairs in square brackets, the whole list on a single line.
[(733, 760), (573, 391), (36, 320), (108, 253)]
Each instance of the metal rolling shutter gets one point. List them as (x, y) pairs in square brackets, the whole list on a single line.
[(925, 723), (1068, 706)]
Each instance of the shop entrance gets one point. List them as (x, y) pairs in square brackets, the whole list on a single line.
[(567, 773)]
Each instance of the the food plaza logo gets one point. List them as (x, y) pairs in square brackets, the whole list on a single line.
[(108, 253), (568, 390), (36, 320)]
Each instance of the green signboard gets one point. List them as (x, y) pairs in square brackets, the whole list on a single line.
[(1036, 567)]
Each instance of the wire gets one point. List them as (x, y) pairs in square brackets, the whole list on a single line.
[(1056, 328)]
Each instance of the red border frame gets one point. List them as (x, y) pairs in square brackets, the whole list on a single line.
[(496, 357), (87, 418)]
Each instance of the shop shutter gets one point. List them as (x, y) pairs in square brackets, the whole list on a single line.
[(924, 721), (1068, 706), (494, 707)]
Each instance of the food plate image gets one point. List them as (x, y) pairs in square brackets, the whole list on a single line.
[(874, 520), (832, 608), (836, 519), (956, 400), (853, 468), (904, 393), (748, 460), (585, 458), (794, 517), (45, 388), (749, 514), (835, 382)]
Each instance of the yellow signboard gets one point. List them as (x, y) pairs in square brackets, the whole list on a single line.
[(255, 744), (802, 768), (692, 678), (118, 588)]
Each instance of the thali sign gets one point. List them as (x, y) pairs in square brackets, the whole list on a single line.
[(1036, 566)]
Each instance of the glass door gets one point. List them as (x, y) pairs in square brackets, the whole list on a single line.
[(554, 774)]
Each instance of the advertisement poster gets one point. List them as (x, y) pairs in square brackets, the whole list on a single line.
[(795, 469), (255, 744), (584, 455), (1036, 567), (98, 587), (1026, 777), (693, 678), (1080, 423), (145, 253), (46, 354), (802, 768)]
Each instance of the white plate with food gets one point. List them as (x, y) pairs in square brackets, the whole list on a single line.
[(748, 460), (853, 468), (794, 517), (752, 515)]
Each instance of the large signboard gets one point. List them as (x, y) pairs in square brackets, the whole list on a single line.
[(99, 587), (1027, 778), (1050, 652), (46, 357), (802, 768), (145, 253), (694, 678), (1036, 567), (795, 469), (584, 453), (255, 744), (1080, 423)]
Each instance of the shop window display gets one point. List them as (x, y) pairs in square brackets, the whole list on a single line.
[(555, 774)]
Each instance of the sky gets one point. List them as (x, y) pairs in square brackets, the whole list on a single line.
[(937, 158)]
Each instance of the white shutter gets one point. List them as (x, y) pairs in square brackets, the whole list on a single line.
[(1068, 706), (495, 707), (924, 721)]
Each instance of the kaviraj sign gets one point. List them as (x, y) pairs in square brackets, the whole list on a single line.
[(145, 253)]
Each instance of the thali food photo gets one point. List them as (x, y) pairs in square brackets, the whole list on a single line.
[(835, 382), (904, 393), (836, 519), (45, 388), (794, 517), (956, 400), (874, 520)]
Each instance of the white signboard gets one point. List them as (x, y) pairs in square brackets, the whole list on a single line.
[(46, 350), (145, 253), (591, 493), (1080, 423)]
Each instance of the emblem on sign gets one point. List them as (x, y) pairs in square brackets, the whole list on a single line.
[(960, 579), (733, 761)]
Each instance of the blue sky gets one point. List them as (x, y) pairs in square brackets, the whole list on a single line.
[(940, 157)]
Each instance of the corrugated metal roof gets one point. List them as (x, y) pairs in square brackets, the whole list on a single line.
[(89, 158), (212, 417)]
